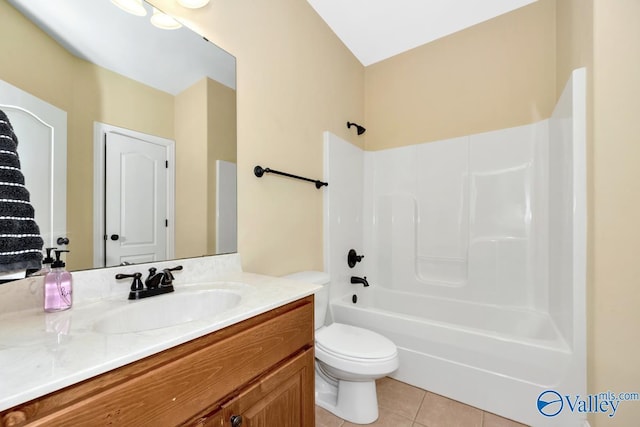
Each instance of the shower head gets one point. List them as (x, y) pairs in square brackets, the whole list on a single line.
[(361, 130)]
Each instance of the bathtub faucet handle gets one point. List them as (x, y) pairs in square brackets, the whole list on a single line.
[(360, 280), (353, 258)]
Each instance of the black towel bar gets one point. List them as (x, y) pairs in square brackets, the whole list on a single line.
[(259, 171)]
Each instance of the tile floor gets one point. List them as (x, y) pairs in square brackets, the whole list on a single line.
[(402, 405)]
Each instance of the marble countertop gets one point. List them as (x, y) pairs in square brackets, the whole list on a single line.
[(44, 352)]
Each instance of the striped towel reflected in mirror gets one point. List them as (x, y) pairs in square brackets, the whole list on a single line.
[(20, 240)]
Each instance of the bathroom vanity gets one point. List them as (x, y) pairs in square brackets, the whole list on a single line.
[(250, 369), (259, 369)]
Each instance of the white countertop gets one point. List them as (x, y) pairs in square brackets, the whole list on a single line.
[(44, 352)]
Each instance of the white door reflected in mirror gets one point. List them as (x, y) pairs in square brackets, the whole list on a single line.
[(135, 221), (136, 200)]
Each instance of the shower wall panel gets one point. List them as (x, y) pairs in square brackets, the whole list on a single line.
[(344, 171), (461, 218)]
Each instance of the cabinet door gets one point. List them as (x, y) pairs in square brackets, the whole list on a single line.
[(283, 398)]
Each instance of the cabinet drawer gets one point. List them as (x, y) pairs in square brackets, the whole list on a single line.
[(187, 381)]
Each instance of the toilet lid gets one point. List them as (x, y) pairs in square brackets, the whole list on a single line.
[(354, 342)]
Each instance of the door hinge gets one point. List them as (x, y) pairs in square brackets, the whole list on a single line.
[(166, 164), (166, 222)]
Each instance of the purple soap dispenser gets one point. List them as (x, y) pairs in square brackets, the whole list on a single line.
[(57, 286)]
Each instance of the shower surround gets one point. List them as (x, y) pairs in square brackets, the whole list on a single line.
[(475, 251)]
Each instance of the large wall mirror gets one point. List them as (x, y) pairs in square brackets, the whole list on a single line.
[(149, 117)]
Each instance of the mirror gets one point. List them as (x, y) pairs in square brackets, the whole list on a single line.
[(115, 73)]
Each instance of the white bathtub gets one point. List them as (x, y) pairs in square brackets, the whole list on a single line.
[(494, 358)]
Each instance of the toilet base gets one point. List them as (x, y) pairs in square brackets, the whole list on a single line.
[(353, 401)]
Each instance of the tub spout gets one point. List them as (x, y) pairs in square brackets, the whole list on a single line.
[(362, 280)]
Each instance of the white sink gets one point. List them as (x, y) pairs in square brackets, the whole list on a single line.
[(166, 310)]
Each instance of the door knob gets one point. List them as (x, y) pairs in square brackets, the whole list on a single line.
[(114, 237), (62, 241), (235, 420)]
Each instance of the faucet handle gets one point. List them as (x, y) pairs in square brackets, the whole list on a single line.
[(136, 285), (168, 276), (353, 258)]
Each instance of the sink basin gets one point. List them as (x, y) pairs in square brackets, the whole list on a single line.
[(166, 310)]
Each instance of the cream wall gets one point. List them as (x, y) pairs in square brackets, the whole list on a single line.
[(222, 145), (497, 74), (597, 34), (574, 41), (295, 80), (87, 93), (614, 322), (205, 131), (26, 65), (191, 170)]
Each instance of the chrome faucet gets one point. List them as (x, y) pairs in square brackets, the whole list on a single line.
[(155, 284), (361, 280)]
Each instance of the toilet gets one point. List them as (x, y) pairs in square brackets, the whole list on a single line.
[(348, 360)]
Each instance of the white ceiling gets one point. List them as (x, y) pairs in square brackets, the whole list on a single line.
[(101, 33), (377, 29)]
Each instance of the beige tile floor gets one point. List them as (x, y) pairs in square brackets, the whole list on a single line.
[(402, 405)]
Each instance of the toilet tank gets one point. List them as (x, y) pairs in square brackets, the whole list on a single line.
[(321, 296)]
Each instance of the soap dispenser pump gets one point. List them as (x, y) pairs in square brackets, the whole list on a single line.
[(57, 286), (46, 263)]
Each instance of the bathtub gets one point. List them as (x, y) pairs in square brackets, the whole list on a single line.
[(494, 358)]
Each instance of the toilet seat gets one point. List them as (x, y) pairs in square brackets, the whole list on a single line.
[(354, 344), (355, 354)]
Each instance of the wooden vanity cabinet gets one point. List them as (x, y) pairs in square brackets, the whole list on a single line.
[(258, 372)]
